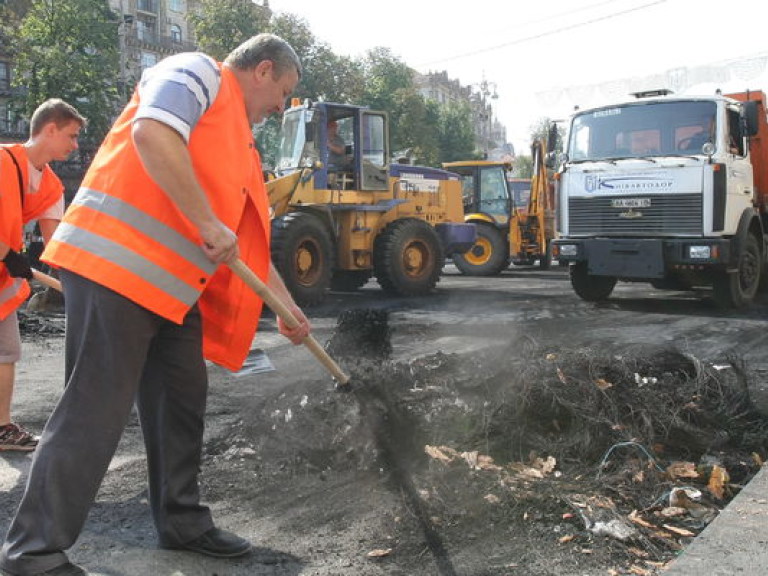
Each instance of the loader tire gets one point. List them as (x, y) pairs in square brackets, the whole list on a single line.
[(488, 256), (738, 289), (302, 251), (589, 287), (408, 258)]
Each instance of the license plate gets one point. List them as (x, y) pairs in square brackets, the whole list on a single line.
[(631, 202)]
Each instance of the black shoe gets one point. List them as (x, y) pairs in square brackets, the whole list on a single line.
[(218, 543)]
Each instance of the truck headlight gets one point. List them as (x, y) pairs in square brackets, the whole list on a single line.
[(700, 252), (568, 250)]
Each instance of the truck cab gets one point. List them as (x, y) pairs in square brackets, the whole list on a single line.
[(662, 189)]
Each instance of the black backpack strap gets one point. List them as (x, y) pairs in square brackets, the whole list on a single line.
[(18, 174)]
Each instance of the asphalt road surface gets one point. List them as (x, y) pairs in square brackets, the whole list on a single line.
[(262, 477)]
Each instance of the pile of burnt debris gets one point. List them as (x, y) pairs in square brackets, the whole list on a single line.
[(637, 450)]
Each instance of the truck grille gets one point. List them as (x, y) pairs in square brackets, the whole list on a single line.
[(678, 214)]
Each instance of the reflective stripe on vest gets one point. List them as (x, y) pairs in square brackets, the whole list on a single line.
[(143, 222), (10, 290), (12, 295), (133, 261)]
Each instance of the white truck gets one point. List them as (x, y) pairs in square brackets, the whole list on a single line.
[(669, 190)]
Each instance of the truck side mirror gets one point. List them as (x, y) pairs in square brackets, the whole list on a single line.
[(552, 137), (750, 118)]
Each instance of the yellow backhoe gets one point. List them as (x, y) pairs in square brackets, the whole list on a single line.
[(507, 231)]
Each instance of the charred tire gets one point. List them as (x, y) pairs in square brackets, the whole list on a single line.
[(408, 258), (738, 289), (349, 280), (488, 256), (302, 251), (589, 287)]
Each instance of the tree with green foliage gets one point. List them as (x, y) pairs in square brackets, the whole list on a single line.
[(388, 80), (456, 134), (222, 25), (429, 132), (326, 76), (69, 49), (541, 130), (416, 126), (523, 166), (11, 14)]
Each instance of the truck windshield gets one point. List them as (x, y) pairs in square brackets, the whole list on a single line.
[(676, 128), (292, 140)]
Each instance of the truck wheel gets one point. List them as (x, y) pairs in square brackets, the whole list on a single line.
[(589, 287), (302, 252), (738, 289), (488, 256), (408, 257), (349, 280)]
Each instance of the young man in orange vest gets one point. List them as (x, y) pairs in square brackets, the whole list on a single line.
[(174, 193), (29, 190)]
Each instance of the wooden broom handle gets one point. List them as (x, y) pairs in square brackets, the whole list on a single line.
[(47, 280), (277, 306)]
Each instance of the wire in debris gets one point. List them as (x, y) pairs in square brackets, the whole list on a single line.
[(622, 445)]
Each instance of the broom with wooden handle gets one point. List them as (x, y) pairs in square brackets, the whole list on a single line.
[(284, 313)]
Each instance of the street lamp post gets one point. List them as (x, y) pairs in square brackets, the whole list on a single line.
[(486, 90)]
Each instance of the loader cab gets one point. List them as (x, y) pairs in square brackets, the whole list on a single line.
[(347, 147), (484, 188)]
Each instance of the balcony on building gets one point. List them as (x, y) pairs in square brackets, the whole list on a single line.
[(146, 36), (148, 6)]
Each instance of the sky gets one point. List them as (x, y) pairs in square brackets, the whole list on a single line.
[(544, 58)]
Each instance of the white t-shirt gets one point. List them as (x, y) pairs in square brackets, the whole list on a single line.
[(54, 212)]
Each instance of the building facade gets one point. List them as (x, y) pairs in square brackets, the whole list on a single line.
[(150, 30), (490, 134)]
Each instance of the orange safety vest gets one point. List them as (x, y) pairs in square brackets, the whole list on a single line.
[(123, 232), (15, 212)]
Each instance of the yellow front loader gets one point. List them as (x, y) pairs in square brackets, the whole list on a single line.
[(340, 219)]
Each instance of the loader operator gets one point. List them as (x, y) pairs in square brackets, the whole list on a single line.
[(175, 191), (337, 148), (29, 190)]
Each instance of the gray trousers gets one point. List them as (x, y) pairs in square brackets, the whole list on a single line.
[(116, 353)]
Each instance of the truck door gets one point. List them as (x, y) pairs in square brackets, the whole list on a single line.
[(740, 181)]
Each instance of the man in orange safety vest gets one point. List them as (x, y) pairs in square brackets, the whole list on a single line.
[(175, 191), (29, 190)]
